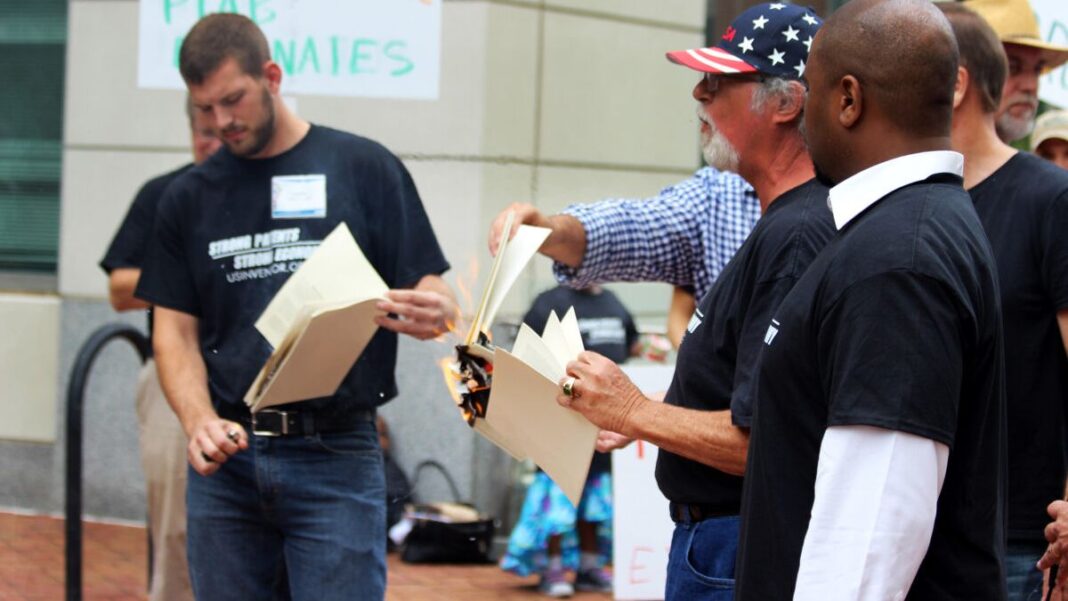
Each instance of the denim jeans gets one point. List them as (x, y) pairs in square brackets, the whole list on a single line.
[(315, 503), (1025, 582), (701, 560)]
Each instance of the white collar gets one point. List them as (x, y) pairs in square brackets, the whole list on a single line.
[(861, 190)]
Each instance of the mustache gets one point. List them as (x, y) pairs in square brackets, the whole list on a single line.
[(1023, 98)]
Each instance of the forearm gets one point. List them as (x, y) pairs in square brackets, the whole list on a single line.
[(707, 437), (1062, 324), (183, 377), (567, 242), (121, 285), (629, 240)]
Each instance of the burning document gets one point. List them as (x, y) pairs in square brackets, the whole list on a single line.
[(510, 397)]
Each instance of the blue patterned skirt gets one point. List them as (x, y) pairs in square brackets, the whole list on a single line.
[(546, 511)]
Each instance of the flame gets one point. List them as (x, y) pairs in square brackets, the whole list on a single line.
[(457, 330), (452, 377)]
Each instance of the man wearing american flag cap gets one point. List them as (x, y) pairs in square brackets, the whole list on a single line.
[(750, 102)]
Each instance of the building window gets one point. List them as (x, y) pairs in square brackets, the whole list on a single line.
[(33, 38)]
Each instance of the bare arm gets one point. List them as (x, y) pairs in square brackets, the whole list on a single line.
[(184, 378), (707, 437), (566, 243), (605, 395), (121, 285), (1062, 323), (679, 313)]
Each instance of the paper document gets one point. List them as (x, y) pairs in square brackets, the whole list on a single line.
[(523, 411), (512, 257), (318, 323)]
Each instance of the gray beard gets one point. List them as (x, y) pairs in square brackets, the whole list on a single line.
[(1011, 128), (718, 152)]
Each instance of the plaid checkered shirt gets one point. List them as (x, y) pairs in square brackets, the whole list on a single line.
[(684, 236)]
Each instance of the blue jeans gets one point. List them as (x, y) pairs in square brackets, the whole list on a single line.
[(1025, 582), (701, 560), (315, 504)]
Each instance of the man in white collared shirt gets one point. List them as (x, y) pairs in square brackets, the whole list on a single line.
[(876, 460)]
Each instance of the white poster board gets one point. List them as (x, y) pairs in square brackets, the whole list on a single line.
[(641, 525), (377, 48), (1053, 25)]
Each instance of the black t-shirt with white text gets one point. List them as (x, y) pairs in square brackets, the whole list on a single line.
[(220, 254), (128, 247), (720, 351), (895, 325), (606, 326), (1024, 209)]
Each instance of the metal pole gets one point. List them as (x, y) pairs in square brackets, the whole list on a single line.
[(79, 377)]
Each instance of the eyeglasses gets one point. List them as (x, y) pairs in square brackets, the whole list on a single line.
[(712, 80)]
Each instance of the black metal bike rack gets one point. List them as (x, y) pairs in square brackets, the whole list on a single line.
[(79, 377)]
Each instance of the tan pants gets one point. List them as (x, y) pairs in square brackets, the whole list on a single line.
[(163, 458)]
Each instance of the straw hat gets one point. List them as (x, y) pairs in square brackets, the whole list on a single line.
[(1014, 22)]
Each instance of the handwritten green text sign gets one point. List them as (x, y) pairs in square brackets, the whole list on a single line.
[(376, 48)]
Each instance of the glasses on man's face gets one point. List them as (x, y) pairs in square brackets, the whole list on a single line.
[(712, 80)]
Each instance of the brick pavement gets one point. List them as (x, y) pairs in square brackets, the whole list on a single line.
[(32, 568)]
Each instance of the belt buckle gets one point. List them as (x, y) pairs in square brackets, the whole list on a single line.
[(282, 430)]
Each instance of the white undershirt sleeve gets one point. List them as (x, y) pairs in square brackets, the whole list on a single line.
[(873, 514)]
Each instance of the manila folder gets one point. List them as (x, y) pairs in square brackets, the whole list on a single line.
[(316, 356)]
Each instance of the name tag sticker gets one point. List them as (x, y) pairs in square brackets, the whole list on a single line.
[(298, 196)]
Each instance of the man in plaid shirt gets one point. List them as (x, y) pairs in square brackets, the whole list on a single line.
[(684, 236)]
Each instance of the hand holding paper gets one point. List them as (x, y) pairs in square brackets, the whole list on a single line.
[(421, 314), (522, 408), (602, 392)]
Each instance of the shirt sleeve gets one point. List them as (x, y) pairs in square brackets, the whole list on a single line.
[(1054, 251), (538, 314), (409, 248), (892, 349), (652, 239), (872, 515), (127, 248), (759, 312), (166, 275)]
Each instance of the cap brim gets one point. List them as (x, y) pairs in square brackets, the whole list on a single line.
[(1055, 55), (710, 60), (1053, 134)]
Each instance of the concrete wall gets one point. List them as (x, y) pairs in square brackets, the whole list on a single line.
[(551, 102)]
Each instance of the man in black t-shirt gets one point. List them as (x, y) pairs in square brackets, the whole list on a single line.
[(160, 435), (702, 428), (876, 464), (1022, 202), (302, 485)]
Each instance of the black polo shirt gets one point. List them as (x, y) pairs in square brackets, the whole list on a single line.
[(895, 325), (718, 355), (220, 254), (1024, 208)]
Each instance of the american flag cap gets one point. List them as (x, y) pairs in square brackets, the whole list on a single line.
[(771, 38)]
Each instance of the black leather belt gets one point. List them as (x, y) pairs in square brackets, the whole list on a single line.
[(274, 422), (696, 512)]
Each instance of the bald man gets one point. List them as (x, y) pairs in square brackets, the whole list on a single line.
[(876, 458), (1022, 201)]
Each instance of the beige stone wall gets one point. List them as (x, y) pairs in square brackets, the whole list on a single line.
[(544, 101)]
